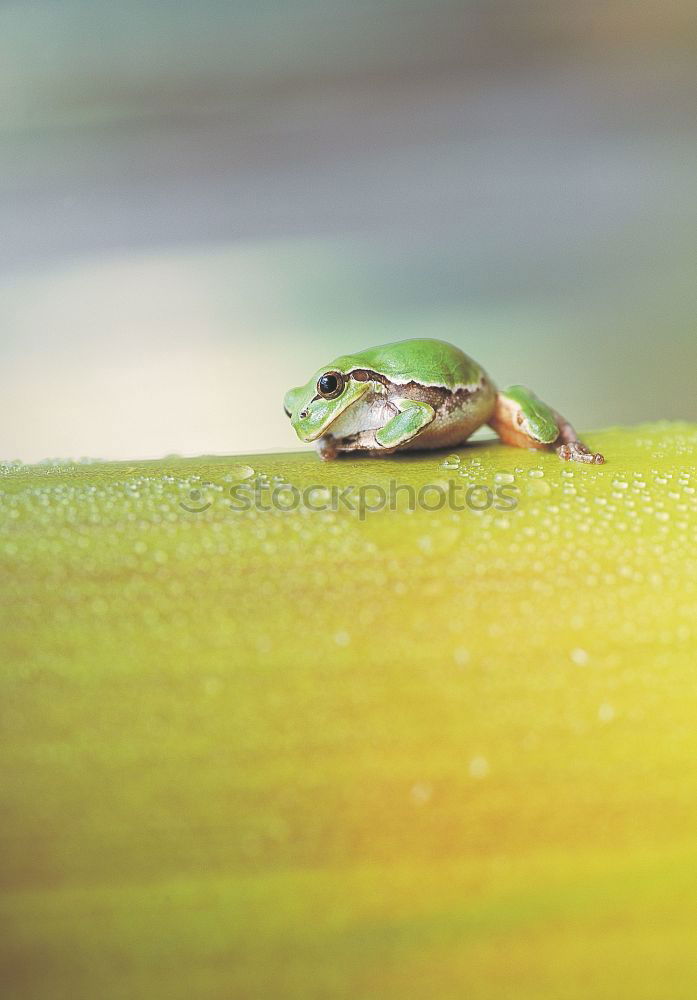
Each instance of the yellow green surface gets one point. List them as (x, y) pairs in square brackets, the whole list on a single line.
[(305, 755)]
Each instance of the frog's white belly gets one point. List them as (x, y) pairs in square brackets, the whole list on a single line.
[(367, 414)]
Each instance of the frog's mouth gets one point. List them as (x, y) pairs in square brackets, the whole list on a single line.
[(325, 416), (367, 414)]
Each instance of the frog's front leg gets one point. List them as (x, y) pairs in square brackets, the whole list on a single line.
[(326, 448), (523, 420), (410, 420)]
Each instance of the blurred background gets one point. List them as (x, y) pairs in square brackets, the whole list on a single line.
[(201, 203)]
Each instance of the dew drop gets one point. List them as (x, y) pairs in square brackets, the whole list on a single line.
[(420, 793), (239, 472), (479, 767), (461, 656), (212, 685), (606, 713)]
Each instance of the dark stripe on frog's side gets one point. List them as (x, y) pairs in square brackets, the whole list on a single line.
[(441, 399)]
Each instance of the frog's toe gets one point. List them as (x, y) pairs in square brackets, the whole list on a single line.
[(576, 451)]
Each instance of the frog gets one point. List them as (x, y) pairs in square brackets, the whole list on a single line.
[(420, 394)]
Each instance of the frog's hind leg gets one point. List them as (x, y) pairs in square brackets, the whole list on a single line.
[(523, 420)]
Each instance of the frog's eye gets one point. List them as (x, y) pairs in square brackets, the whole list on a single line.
[(330, 385)]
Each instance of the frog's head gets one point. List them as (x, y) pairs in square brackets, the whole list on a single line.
[(314, 407)]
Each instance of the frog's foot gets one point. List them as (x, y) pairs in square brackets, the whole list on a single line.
[(576, 451), (326, 448), (570, 449), (410, 420), (523, 420)]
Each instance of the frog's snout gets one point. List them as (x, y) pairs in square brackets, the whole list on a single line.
[(291, 402), (309, 417), (296, 421)]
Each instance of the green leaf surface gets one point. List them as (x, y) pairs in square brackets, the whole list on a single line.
[(311, 754)]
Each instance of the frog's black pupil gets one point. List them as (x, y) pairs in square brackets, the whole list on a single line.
[(328, 383)]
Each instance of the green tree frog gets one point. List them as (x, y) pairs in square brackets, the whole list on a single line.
[(420, 394)]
